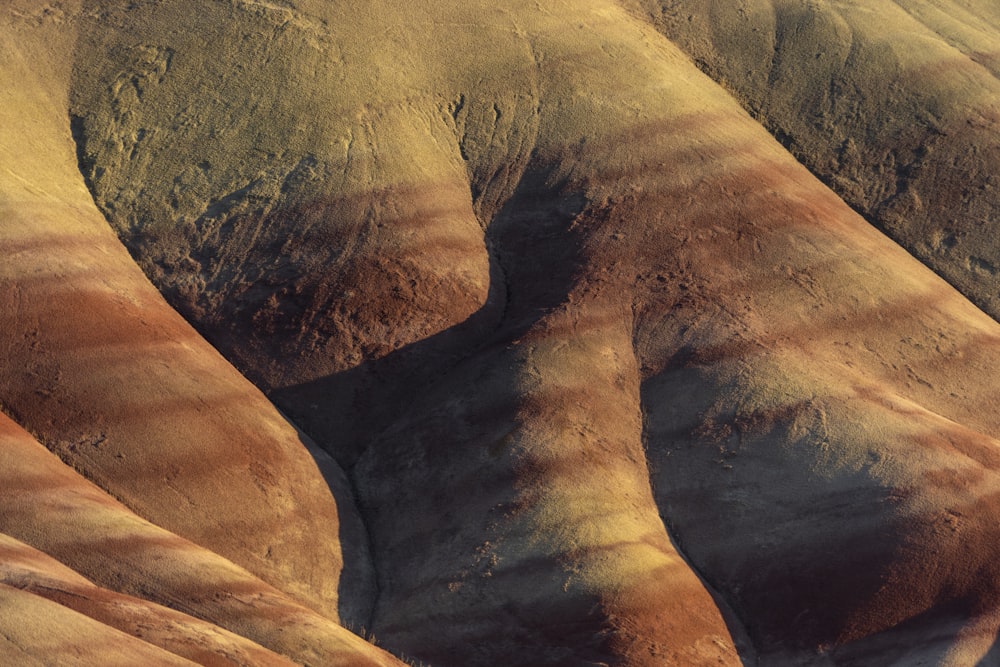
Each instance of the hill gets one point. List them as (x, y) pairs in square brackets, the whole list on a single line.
[(501, 334)]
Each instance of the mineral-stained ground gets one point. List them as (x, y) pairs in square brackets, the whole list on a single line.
[(562, 333)]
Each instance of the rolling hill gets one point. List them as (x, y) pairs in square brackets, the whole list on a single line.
[(604, 332)]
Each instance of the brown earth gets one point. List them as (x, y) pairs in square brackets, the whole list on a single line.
[(577, 364), (893, 104)]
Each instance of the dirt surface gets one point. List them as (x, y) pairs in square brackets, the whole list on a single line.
[(500, 335), (894, 105)]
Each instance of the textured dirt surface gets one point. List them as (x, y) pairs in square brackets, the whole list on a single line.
[(499, 335), (893, 104)]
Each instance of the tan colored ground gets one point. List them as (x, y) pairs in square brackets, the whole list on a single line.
[(604, 375), (894, 104)]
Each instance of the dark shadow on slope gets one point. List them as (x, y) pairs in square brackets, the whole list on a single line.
[(833, 566), (533, 264), (534, 259), (774, 590), (357, 588), (925, 639), (992, 657)]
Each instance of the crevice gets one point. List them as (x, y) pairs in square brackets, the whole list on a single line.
[(369, 621), (342, 486), (742, 641), (11, 642), (86, 164), (734, 623)]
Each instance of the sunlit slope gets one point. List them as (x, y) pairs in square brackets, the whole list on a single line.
[(55, 526), (649, 251), (38, 632), (576, 325), (34, 572), (287, 178), (103, 372), (818, 411), (483, 557), (895, 105)]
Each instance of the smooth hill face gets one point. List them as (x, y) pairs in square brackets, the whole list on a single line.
[(98, 367), (893, 104), (113, 380), (50, 512), (609, 377)]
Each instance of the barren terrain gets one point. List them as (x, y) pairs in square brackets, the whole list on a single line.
[(603, 332)]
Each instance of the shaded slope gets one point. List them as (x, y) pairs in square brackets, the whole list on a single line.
[(544, 288), (893, 104)]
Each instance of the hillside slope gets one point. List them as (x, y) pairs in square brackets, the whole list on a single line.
[(103, 372), (894, 104), (607, 375)]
